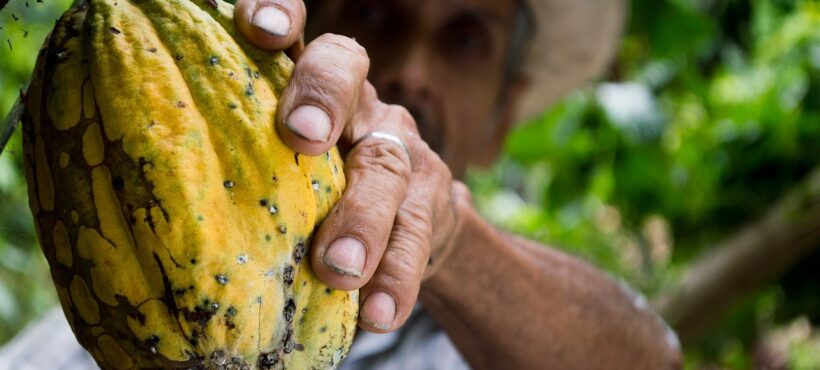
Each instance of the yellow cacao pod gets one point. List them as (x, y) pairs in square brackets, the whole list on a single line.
[(175, 221)]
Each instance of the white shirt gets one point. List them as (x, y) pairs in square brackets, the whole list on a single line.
[(49, 344)]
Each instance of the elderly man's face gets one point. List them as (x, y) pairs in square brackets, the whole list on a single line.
[(444, 60)]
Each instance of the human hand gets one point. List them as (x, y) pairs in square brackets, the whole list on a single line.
[(397, 218)]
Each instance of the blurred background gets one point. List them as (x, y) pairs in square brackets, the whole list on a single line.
[(691, 171)]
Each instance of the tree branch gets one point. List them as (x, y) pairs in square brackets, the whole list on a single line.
[(756, 255)]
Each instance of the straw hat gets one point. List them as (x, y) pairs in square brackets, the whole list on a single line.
[(573, 43)]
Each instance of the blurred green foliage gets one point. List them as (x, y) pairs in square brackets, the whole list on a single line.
[(711, 112)]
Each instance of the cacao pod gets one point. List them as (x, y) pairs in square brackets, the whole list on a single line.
[(175, 222)]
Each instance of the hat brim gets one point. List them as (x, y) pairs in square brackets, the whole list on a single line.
[(573, 43)]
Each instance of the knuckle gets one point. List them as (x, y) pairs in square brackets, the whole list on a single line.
[(326, 80), (403, 264), (336, 44), (381, 157), (402, 116)]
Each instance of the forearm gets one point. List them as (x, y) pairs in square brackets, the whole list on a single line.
[(510, 303)]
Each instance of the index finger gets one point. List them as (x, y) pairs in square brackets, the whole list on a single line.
[(324, 90), (270, 24)]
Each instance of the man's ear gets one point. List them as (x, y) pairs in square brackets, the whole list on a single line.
[(505, 121)]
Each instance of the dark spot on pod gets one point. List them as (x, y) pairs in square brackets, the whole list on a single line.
[(275, 179), (230, 312), (200, 218), (256, 75), (327, 155), (263, 202), (296, 158), (259, 299), (228, 184), (323, 329), (315, 185), (267, 360), (114, 30), (181, 104), (288, 343), (152, 50), (232, 106), (179, 292), (290, 310), (287, 275), (134, 314), (214, 60), (179, 57), (328, 291), (213, 4), (283, 229), (63, 55), (201, 313), (299, 251), (328, 189), (193, 261), (218, 359), (249, 90), (267, 237), (222, 279), (152, 342), (304, 310), (298, 347), (118, 182)]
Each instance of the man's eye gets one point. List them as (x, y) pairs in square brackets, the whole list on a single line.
[(464, 45), (370, 14), (465, 40)]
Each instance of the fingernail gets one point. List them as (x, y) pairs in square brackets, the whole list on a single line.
[(272, 20), (309, 122), (346, 256), (379, 310)]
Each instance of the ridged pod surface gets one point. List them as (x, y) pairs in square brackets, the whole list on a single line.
[(175, 221)]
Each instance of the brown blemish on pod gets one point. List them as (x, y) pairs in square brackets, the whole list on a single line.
[(287, 275), (151, 342), (299, 251)]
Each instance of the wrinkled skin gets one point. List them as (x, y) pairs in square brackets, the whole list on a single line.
[(404, 229)]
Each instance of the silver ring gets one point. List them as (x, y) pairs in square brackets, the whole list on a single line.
[(385, 136)]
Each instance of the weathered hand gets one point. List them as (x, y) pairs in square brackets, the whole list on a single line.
[(399, 211)]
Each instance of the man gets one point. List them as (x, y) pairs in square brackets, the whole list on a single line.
[(404, 231)]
